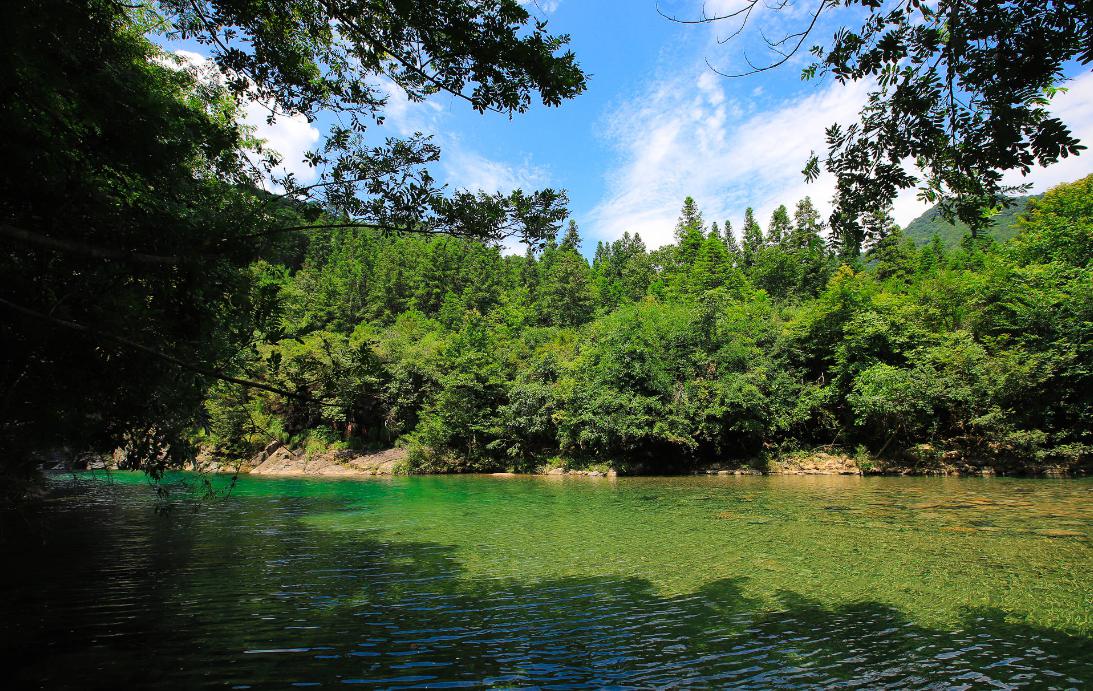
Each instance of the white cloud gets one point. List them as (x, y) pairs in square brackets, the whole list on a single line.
[(685, 136), (406, 116), (1075, 108), (291, 136), (467, 169), (464, 167), (677, 140)]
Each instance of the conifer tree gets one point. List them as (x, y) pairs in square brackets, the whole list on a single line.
[(780, 227), (565, 297), (689, 218), (713, 268), (690, 232), (807, 224), (572, 238), (730, 242), (752, 238)]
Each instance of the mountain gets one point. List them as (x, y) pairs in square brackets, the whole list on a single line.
[(925, 226)]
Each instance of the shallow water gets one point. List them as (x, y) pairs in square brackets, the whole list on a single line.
[(539, 581)]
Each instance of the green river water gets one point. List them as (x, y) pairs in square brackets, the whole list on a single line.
[(477, 581)]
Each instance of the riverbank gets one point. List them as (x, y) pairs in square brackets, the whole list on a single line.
[(278, 459)]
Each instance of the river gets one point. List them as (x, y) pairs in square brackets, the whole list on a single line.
[(552, 581)]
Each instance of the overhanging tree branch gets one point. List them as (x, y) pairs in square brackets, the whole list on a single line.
[(88, 249), (188, 366)]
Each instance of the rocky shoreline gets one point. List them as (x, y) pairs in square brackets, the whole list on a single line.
[(279, 460)]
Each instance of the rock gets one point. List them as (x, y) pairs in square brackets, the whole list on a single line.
[(819, 463), (271, 447), (280, 462), (556, 471), (379, 463)]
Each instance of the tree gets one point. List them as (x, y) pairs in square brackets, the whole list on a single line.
[(779, 229), (129, 292), (690, 219), (713, 268), (690, 232), (752, 239), (807, 224), (622, 271), (112, 325), (565, 295), (730, 242), (572, 238), (1059, 226), (962, 95), (894, 256)]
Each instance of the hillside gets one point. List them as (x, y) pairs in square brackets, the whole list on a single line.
[(925, 226)]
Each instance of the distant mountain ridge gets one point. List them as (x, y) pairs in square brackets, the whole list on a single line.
[(1004, 225)]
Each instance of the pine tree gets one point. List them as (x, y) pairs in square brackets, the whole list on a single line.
[(715, 232), (690, 218), (690, 233), (713, 268), (807, 225), (566, 298), (780, 227), (602, 256), (635, 267), (752, 238), (895, 256), (730, 243), (572, 238)]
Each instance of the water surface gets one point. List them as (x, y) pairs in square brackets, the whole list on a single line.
[(540, 581)]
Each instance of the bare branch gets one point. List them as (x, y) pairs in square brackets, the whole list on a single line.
[(786, 56), (706, 19)]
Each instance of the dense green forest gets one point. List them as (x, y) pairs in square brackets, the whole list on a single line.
[(166, 288), (712, 348)]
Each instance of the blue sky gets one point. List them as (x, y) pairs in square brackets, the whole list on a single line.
[(656, 124)]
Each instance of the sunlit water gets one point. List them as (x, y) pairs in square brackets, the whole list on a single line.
[(532, 581)]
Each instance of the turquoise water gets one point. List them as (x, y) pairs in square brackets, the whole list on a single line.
[(545, 581)]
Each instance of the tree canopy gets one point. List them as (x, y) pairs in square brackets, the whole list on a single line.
[(665, 360), (135, 204)]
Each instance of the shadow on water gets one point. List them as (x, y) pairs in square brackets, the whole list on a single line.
[(239, 598)]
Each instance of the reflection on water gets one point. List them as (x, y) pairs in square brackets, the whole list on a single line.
[(469, 581)]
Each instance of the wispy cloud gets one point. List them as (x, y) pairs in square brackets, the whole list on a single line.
[(467, 169), (463, 166), (685, 134)]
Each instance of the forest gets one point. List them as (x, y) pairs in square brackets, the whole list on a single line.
[(167, 292), (707, 349)]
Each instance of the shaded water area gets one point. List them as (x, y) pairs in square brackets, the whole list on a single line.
[(545, 581)]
